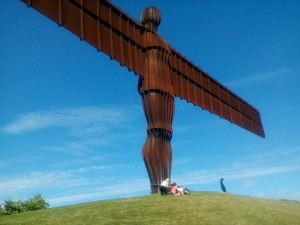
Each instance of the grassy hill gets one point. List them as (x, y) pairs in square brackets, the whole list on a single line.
[(198, 208)]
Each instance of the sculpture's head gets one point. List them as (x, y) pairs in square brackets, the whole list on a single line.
[(151, 18)]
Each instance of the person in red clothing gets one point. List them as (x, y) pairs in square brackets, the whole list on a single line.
[(174, 190)]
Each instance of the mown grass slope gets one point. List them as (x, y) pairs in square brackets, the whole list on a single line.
[(198, 208)]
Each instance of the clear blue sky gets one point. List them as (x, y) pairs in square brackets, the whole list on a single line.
[(72, 125)]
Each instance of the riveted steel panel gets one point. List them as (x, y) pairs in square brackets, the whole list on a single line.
[(101, 25), (213, 96)]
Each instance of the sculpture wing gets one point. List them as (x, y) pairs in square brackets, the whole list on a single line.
[(196, 86), (100, 24)]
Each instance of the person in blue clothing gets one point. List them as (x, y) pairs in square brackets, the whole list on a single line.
[(222, 185)]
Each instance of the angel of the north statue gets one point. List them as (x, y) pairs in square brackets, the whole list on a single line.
[(163, 72)]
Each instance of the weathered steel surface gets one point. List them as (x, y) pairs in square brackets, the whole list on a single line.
[(164, 73), (196, 86), (156, 90), (100, 24), (157, 152)]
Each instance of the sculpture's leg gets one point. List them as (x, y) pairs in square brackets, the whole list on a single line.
[(157, 152)]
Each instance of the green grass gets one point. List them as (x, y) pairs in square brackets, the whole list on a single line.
[(198, 208)]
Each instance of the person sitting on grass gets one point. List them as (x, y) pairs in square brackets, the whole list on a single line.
[(164, 187), (181, 190), (174, 190)]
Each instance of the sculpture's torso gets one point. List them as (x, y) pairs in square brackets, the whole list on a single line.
[(156, 66)]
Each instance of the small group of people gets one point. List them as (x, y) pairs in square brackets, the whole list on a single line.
[(167, 188)]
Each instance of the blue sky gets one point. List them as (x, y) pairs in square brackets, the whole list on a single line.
[(72, 125)]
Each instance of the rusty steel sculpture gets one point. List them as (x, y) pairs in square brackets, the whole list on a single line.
[(163, 72)]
